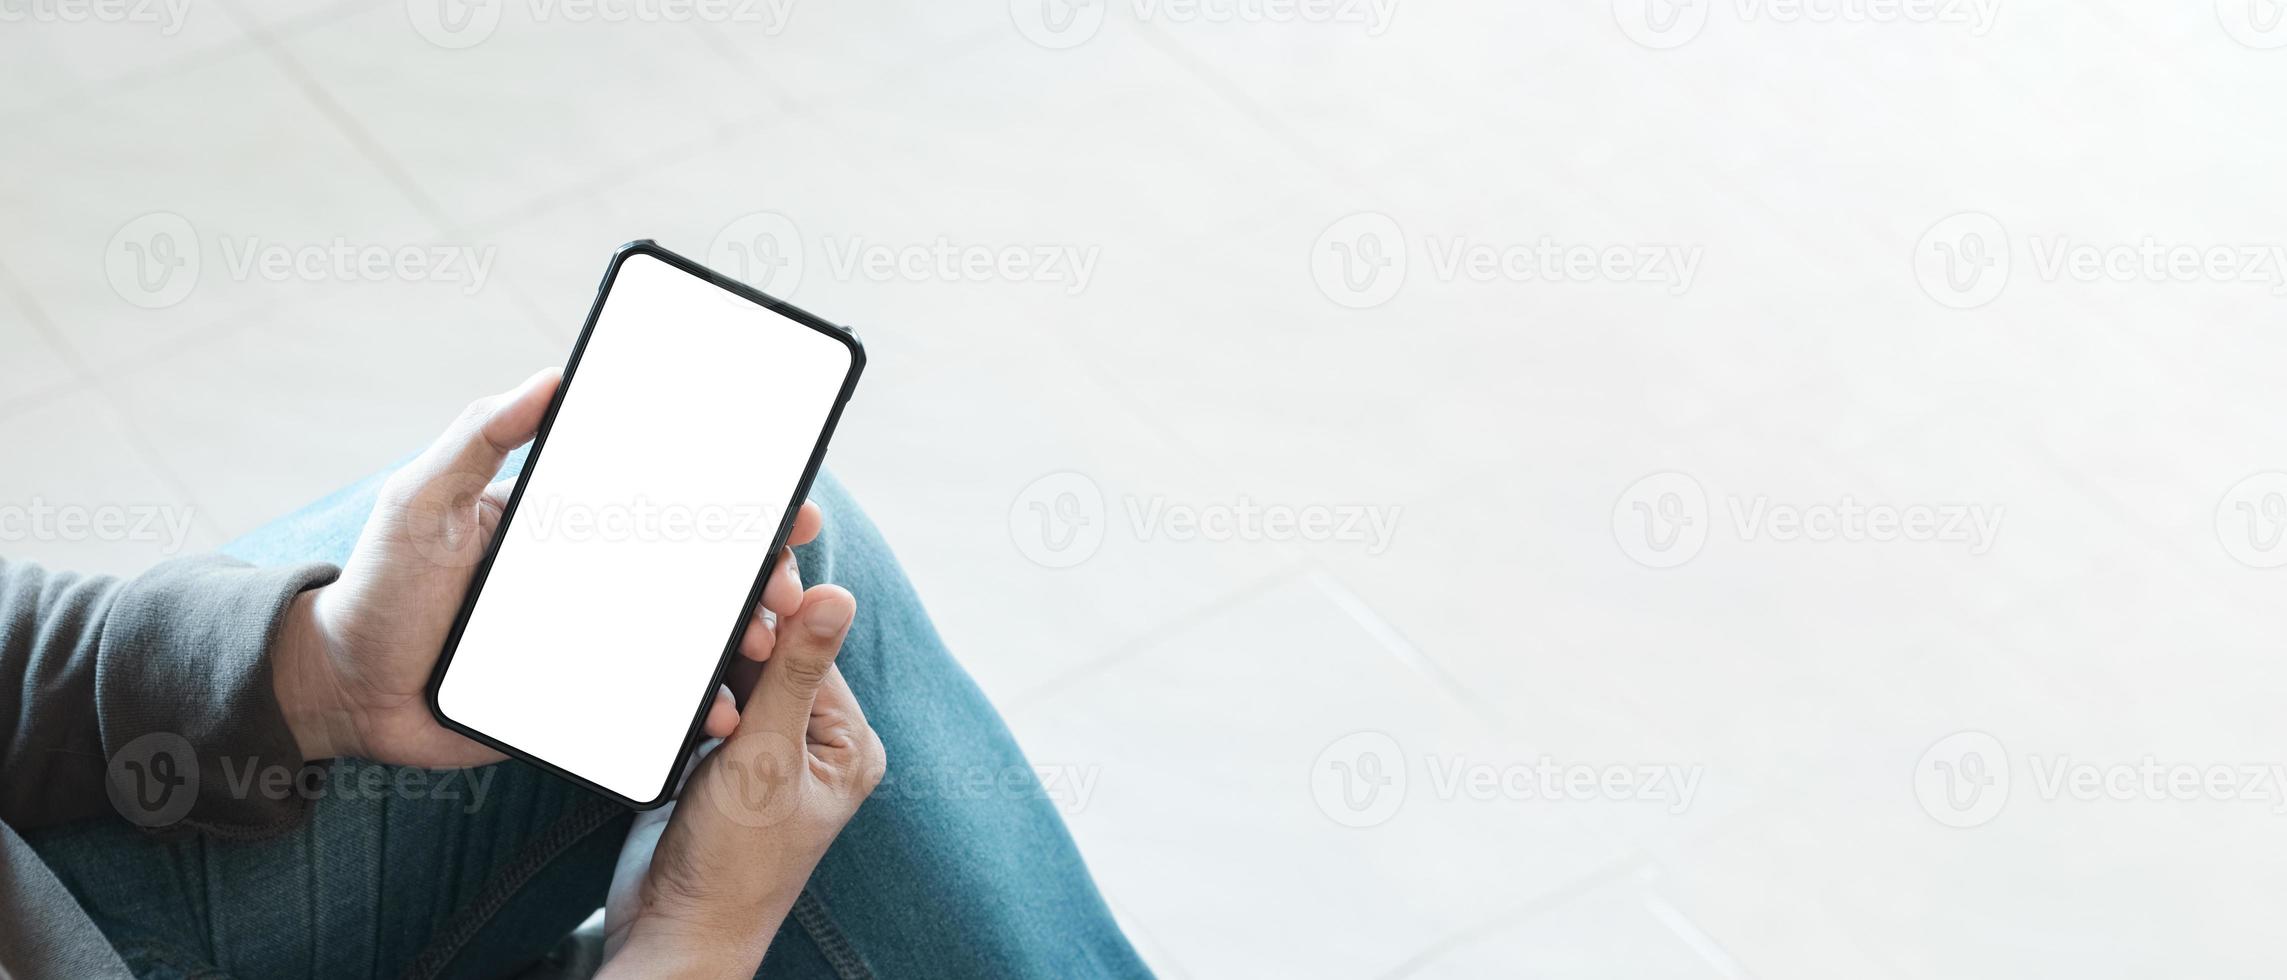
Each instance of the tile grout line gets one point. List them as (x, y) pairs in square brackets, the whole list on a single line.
[(45, 330), (1391, 640), (754, 125), (1132, 924), (77, 96), (1518, 914), (1143, 640), (143, 446), (1237, 99), (88, 381), (317, 15), (1692, 936), (348, 127)]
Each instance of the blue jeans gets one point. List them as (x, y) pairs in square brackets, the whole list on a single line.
[(958, 866)]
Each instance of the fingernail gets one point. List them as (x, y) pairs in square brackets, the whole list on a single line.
[(827, 622)]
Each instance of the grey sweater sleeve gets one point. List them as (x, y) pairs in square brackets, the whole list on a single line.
[(148, 698)]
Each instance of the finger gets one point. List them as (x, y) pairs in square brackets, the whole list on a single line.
[(761, 636), (838, 722), (494, 502), (835, 713), (807, 644), (807, 523), (489, 429), (783, 593), (741, 677), (722, 715)]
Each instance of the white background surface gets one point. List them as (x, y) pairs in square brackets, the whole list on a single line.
[(631, 555), (1817, 358)]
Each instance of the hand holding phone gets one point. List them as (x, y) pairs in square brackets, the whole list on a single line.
[(658, 497), (703, 883), (352, 658)]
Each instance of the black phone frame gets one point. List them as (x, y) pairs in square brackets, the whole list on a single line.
[(531, 463)]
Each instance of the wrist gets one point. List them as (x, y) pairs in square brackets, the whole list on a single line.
[(654, 948), (301, 674)]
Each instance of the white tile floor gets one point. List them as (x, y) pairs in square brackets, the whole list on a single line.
[(1231, 697)]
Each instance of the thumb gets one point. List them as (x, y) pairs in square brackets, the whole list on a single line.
[(474, 446), (799, 664)]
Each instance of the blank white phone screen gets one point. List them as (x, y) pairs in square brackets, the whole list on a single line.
[(682, 437)]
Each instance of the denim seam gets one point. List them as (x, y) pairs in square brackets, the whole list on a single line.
[(810, 913), (507, 882), (162, 953)]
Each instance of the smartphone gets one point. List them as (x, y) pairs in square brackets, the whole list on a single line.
[(693, 416)]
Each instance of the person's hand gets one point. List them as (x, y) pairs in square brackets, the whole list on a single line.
[(353, 658), (704, 882)]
